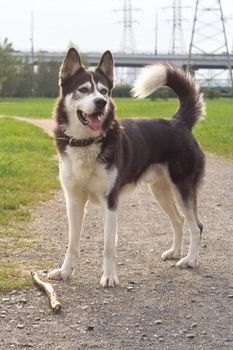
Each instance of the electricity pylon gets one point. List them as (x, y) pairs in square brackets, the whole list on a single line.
[(128, 44), (209, 39), (177, 44)]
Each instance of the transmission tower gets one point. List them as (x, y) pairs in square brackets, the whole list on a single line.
[(209, 40), (128, 44), (177, 44)]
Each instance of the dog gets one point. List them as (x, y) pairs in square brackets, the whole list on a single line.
[(102, 157)]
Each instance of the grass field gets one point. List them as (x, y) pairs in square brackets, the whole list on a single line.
[(28, 173), (27, 107)]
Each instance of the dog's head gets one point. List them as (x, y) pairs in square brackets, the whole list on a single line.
[(87, 93)]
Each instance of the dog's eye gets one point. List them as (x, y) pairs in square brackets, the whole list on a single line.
[(83, 90), (103, 91)]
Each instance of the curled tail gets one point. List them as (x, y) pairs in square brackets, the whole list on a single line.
[(181, 82)]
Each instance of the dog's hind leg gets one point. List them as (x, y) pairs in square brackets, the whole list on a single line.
[(163, 193), (187, 202), (75, 203)]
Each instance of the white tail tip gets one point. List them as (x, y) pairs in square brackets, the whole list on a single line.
[(149, 80)]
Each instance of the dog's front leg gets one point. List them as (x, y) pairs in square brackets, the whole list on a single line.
[(75, 203), (109, 278)]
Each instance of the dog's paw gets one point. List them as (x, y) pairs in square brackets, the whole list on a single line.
[(186, 262), (109, 280), (171, 254), (59, 274)]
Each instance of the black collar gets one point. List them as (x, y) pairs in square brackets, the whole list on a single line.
[(81, 142)]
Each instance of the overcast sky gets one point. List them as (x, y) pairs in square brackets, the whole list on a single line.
[(93, 25)]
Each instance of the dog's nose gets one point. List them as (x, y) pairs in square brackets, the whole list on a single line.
[(100, 102)]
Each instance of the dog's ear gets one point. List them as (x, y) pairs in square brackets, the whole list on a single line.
[(106, 65), (71, 64)]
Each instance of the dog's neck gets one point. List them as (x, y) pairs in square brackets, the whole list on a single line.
[(71, 141)]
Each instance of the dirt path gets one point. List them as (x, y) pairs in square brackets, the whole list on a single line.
[(156, 305), (47, 125)]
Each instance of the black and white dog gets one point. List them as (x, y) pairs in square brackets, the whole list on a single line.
[(102, 157)]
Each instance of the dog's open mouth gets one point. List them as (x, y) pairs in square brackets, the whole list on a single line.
[(92, 121)]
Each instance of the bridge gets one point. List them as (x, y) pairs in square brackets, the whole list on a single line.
[(134, 60)]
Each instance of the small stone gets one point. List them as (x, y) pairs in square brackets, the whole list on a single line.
[(176, 335), (161, 339), (143, 336), (20, 326), (190, 336), (6, 299), (35, 325), (12, 292), (230, 296), (158, 322), (37, 319), (207, 275), (3, 315), (194, 325), (129, 288), (84, 307), (23, 301), (27, 345)]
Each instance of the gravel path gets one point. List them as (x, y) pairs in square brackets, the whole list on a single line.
[(156, 306)]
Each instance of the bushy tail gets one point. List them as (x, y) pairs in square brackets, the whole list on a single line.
[(181, 82)]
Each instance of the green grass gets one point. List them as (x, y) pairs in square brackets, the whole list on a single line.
[(132, 108), (28, 174), (215, 132), (27, 107)]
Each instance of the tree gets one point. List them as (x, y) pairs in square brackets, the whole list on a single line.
[(24, 81), (47, 78), (8, 69)]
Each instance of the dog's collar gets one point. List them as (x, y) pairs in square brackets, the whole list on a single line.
[(71, 141)]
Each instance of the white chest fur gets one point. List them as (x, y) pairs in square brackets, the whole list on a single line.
[(81, 170)]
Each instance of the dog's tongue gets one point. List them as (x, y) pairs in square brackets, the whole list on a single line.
[(95, 122)]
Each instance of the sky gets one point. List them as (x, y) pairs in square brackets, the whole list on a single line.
[(95, 25)]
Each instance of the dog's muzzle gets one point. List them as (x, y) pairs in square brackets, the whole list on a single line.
[(93, 121)]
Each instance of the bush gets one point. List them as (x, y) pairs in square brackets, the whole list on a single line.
[(121, 91)]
